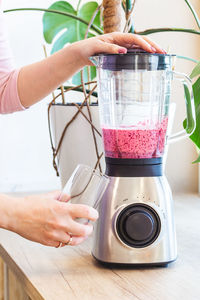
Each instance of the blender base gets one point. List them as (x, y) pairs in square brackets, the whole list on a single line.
[(134, 266), (136, 223)]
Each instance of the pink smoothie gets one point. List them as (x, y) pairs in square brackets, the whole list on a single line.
[(135, 143)]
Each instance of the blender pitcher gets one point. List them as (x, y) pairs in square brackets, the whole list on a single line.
[(134, 97), (136, 220)]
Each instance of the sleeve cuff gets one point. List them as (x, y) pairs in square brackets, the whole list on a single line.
[(17, 103)]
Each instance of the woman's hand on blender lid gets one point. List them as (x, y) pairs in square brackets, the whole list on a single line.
[(114, 43)]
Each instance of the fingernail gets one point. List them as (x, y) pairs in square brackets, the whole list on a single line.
[(164, 51), (122, 51), (153, 49)]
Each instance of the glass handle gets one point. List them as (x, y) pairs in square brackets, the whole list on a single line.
[(190, 109)]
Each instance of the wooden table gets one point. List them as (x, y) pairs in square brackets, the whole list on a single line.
[(32, 271)]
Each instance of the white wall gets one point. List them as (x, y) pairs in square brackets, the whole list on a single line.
[(25, 154)]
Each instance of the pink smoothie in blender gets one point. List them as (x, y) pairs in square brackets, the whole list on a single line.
[(135, 142)]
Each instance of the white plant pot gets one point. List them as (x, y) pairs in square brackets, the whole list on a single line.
[(78, 144)]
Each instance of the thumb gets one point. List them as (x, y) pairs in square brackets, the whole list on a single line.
[(64, 198), (58, 195)]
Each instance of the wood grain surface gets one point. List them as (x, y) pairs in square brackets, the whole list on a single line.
[(71, 272), (1, 280), (16, 289)]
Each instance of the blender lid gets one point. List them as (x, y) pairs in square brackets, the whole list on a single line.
[(136, 59)]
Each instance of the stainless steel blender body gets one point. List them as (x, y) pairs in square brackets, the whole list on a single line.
[(136, 222), (146, 195)]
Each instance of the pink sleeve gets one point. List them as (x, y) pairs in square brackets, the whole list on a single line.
[(9, 97)]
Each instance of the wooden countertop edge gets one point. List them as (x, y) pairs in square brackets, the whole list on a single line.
[(29, 288)]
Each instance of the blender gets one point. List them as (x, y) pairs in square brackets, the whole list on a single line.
[(136, 220)]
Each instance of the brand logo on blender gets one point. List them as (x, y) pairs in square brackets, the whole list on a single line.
[(125, 200)]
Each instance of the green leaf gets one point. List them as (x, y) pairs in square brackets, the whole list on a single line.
[(74, 30), (86, 12), (62, 41), (77, 77), (197, 160), (195, 137), (195, 71), (189, 122), (54, 23), (62, 30)]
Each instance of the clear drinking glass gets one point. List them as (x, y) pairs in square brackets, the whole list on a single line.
[(86, 186)]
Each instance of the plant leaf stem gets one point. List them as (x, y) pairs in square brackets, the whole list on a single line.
[(81, 90), (128, 5), (193, 12), (94, 27), (78, 5), (129, 11), (174, 29), (188, 58)]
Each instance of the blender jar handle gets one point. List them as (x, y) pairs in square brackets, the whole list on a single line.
[(190, 108)]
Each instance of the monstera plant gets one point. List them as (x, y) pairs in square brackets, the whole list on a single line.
[(64, 23), (85, 21)]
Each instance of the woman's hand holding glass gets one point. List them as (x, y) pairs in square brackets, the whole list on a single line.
[(44, 219)]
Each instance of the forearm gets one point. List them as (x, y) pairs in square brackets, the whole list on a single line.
[(8, 207), (39, 79)]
